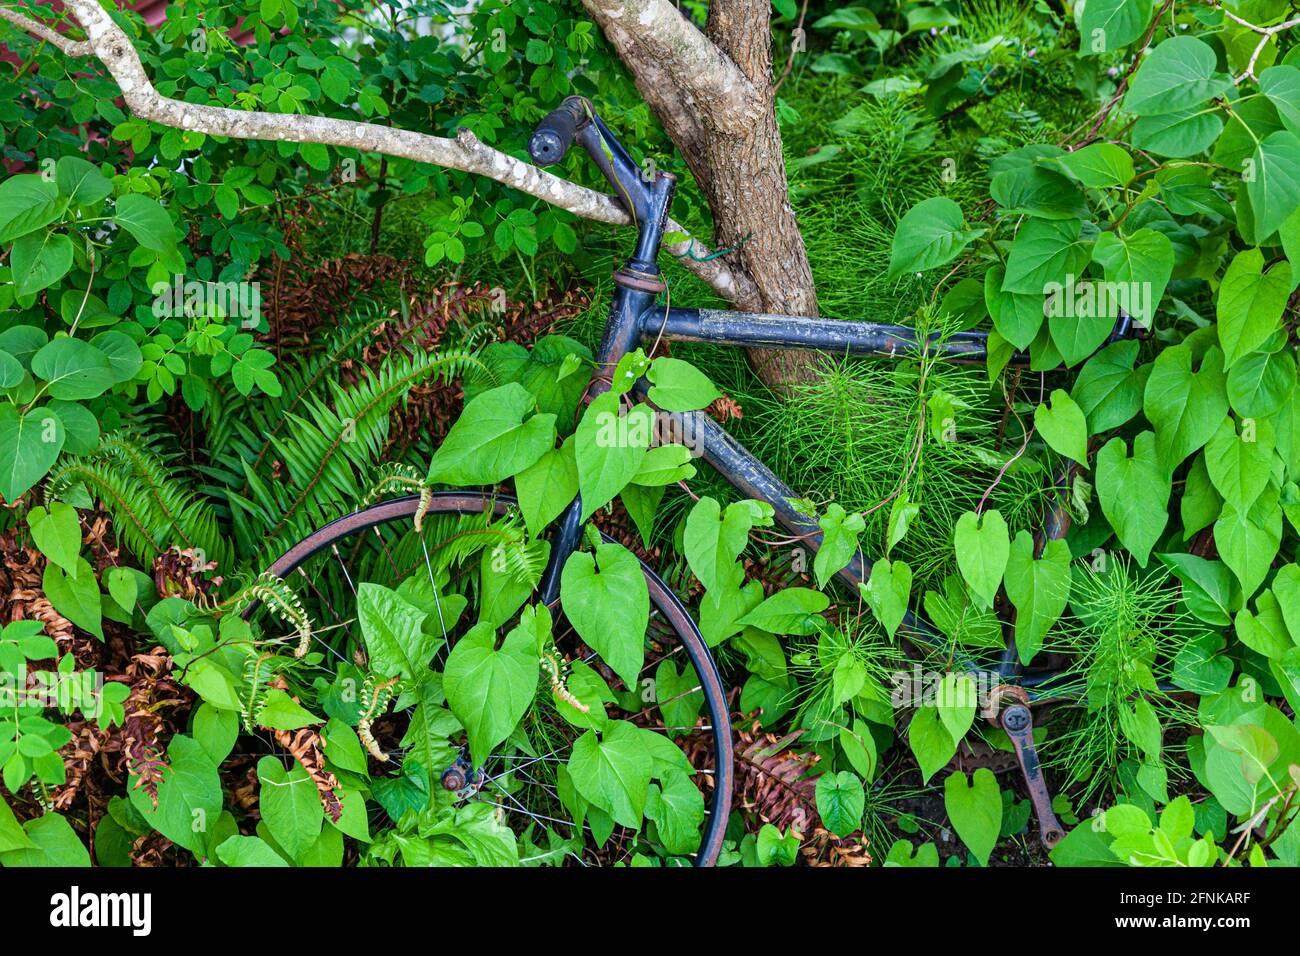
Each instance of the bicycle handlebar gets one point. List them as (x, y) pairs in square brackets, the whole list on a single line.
[(555, 133)]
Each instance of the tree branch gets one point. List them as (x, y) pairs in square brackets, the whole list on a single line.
[(107, 41), (69, 47)]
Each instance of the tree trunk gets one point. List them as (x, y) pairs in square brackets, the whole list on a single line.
[(737, 160)]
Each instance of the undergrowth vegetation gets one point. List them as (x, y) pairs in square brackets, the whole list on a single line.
[(1112, 518)]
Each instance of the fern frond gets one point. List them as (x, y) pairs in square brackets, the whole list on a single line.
[(329, 450), (152, 508)]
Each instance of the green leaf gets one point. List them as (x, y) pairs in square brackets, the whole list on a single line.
[(146, 220), (1260, 384), (606, 600), (12, 835), (80, 426), (713, 540), (547, 486), (1100, 164), (1240, 466), (983, 545), (27, 203), (80, 181), (840, 801), (1208, 588), (11, 371), (282, 712), (394, 634), (610, 447), (53, 843), (1085, 845), (1177, 75), (1273, 183), (76, 596), (679, 386), (123, 355), (846, 18), (1020, 186), (930, 741), (840, 532), (678, 695), (975, 810), (790, 611), (931, 234), (887, 591), (73, 369), (901, 514), (1142, 263), (248, 851), (1248, 541), (491, 442), (57, 533), (1044, 252), (1017, 318), (189, 796), (488, 688), (1281, 87), (428, 735), (38, 260), (1264, 631), (1063, 427), (1185, 407), (664, 465), (1180, 134), (215, 730), (289, 805), (1038, 589), (955, 700), (612, 771), (1250, 303), (1108, 390), (1286, 585), (677, 808), (505, 588), (1134, 493), (1109, 25), (859, 748)]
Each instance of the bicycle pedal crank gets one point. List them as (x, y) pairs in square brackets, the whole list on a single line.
[(1018, 721)]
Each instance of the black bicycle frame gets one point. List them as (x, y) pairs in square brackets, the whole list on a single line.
[(636, 317)]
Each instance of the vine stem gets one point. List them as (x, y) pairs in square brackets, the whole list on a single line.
[(1265, 34), (1101, 116), (997, 480), (789, 64)]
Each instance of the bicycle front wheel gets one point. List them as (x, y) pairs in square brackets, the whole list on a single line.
[(527, 779)]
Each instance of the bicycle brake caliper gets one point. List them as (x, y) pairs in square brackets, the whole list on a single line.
[(1018, 721)]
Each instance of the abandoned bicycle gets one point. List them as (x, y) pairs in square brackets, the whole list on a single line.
[(523, 779)]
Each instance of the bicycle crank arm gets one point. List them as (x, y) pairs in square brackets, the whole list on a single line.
[(1018, 722)]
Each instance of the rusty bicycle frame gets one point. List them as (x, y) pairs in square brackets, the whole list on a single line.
[(636, 317)]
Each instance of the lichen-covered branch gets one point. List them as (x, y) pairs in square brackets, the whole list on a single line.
[(109, 43)]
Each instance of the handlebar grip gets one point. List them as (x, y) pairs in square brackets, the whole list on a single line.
[(554, 134)]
